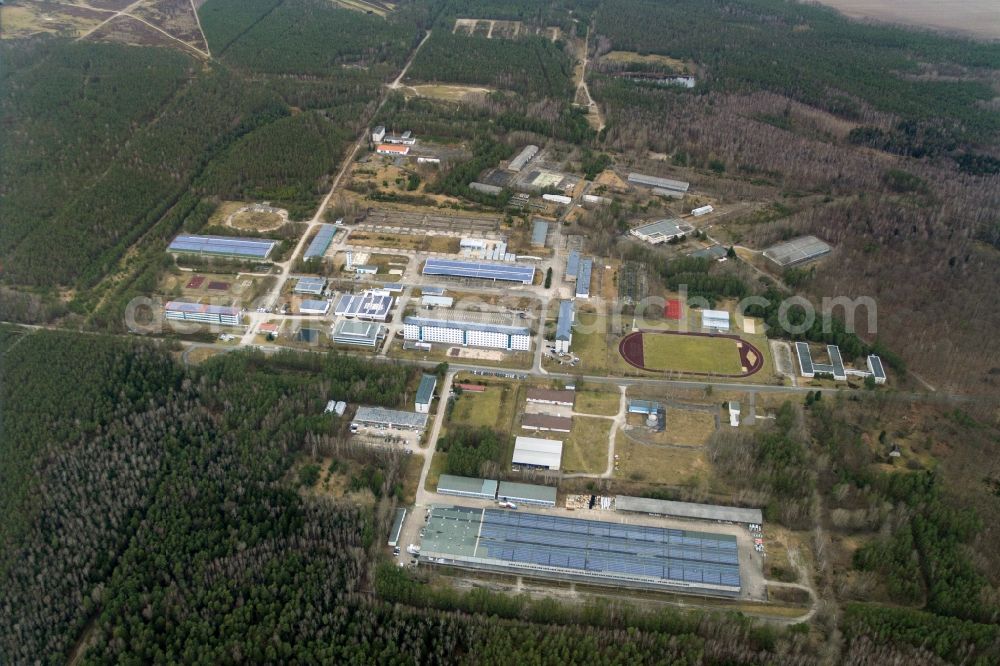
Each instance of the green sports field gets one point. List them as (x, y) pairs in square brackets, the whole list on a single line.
[(683, 353)]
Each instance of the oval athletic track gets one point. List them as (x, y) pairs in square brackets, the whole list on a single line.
[(631, 350)]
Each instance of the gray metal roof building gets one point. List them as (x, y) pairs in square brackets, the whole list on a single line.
[(397, 526), (714, 252), (661, 231), (223, 246), (320, 242), (483, 271), (522, 158), (583, 278), (663, 183), (527, 493), (464, 486), (584, 550), (797, 251), (390, 418), (310, 285), (359, 333), (425, 392), (537, 453), (539, 230), (564, 324), (572, 265), (466, 321), (485, 188), (546, 422), (714, 512)]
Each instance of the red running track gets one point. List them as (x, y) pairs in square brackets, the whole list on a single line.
[(631, 350)]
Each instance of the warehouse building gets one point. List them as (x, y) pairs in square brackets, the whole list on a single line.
[(428, 300), (522, 158), (404, 139), (572, 266), (797, 251), (715, 320), (372, 305), (365, 269), (222, 315), (397, 527), (562, 397), (485, 188), (689, 510), (380, 417), (223, 246), (313, 307), (483, 271), (320, 242), (310, 285), (425, 393), (715, 252), (677, 186), (395, 151), (558, 198), (544, 422), (378, 134), (661, 231), (358, 333), (464, 486), (526, 493), (583, 275), (575, 549), (564, 326), (701, 210), (539, 230), (534, 453), (469, 329)]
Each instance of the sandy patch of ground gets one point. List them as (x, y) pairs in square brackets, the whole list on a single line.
[(979, 18)]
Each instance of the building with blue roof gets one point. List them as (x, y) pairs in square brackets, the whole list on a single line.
[(564, 326), (320, 242), (223, 246), (506, 272), (539, 230), (583, 278), (425, 393)]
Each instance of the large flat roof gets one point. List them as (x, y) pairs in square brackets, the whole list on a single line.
[(484, 271), (539, 230), (257, 248), (564, 325), (310, 285), (425, 392), (572, 263), (320, 242), (797, 251), (563, 396), (537, 452), (527, 492), (449, 484), (466, 321), (201, 308), (370, 304), (583, 277), (395, 417), (654, 181), (732, 514), (575, 548), (349, 331)]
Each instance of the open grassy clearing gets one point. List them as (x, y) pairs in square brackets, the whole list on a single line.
[(647, 59), (682, 353), (585, 449), (396, 241), (411, 477), (482, 409), (256, 220), (24, 20), (661, 464), (446, 93), (378, 8), (685, 427), (596, 402), (590, 342)]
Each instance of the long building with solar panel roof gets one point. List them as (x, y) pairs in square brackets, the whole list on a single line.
[(200, 312), (506, 272), (591, 551), (223, 246), (320, 242)]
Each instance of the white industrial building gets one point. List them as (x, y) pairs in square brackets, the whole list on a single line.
[(702, 210), (404, 139), (558, 198), (715, 320), (468, 329), (207, 314), (378, 134), (390, 149), (661, 231), (314, 307), (537, 453), (734, 413)]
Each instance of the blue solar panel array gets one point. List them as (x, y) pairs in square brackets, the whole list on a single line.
[(805, 358), (598, 547), (837, 361), (583, 278), (876, 365), (473, 269), (321, 241), (257, 248)]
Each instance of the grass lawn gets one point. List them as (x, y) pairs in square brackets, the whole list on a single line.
[(689, 353), (411, 477), (438, 465), (685, 427), (479, 409), (596, 402), (660, 464), (590, 342), (586, 447)]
